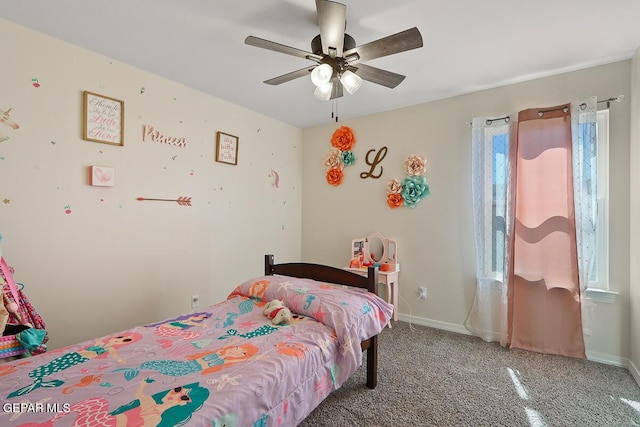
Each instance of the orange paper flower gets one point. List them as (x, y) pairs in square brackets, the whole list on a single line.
[(343, 138), (395, 200), (334, 176)]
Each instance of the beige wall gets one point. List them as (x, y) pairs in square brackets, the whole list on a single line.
[(435, 239), (114, 262), (635, 214)]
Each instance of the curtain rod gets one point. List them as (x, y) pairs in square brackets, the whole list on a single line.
[(618, 98), (505, 118), (582, 106), (564, 109)]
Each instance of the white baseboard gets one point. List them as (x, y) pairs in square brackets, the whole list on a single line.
[(635, 372), (607, 359), (451, 327), (591, 355)]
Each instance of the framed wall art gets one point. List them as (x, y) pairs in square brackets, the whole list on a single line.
[(102, 176), (226, 148), (102, 119)]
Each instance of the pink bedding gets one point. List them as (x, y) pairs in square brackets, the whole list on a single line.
[(224, 365)]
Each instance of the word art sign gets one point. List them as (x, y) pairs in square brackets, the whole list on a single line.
[(226, 148), (103, 119), (151, 134)]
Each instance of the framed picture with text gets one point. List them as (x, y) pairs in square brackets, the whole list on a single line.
[(226, 148), (102, 119)]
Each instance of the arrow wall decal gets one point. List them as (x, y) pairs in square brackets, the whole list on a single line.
[(182, 201)]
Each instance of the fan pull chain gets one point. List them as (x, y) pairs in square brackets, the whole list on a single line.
[(334, 109)]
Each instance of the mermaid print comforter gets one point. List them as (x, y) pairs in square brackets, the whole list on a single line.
[(226, 365)]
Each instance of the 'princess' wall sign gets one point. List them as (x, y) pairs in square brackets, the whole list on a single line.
[(151, 134)]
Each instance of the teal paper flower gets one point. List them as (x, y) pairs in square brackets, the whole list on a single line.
[(414, 188), (348, 158)]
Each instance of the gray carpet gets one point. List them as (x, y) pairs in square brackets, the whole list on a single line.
[(430, 377)]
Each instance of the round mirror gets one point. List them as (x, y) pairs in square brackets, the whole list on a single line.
[(376, 248), (391, 256)]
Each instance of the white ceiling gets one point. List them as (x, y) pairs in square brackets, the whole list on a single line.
[(469, 45)]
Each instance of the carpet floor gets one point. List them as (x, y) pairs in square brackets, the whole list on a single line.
[(431, 377)]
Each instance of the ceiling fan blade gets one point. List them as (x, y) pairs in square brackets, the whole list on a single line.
[(395, 43), (290, 76), (332, 20), (377, 75), (277, 47)]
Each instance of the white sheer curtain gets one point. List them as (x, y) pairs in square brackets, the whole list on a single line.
[(492, 225), (585, 177), (493, 214), (585, 145)]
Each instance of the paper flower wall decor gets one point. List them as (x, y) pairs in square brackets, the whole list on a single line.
[(412, 188), (339, 155)]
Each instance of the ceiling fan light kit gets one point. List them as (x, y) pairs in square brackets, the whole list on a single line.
[(350, 81), (338, 59), (324, 91), (322, 74)]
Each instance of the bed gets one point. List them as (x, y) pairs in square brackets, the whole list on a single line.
[(226, 364)]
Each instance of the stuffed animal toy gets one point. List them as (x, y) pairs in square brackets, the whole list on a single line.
[(277, 312)]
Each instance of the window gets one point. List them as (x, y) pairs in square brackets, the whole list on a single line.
[(599, 274), (496, 154), (499, 209)]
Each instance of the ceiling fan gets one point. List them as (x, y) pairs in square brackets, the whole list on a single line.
[(338, 59)]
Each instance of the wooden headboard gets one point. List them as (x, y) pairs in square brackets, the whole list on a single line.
[(323, 273)]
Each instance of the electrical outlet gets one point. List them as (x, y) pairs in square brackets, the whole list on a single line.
[(195, 301), (423, 292)]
